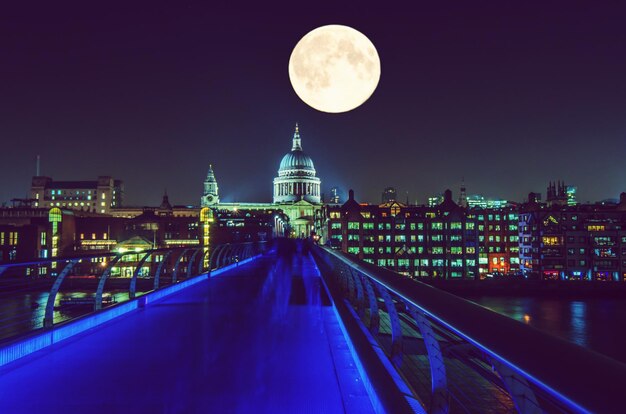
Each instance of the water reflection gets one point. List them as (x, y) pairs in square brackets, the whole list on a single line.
[(23, 312), (598, 324), (578, 333)]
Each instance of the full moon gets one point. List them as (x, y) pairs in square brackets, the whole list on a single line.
[(334, 68)]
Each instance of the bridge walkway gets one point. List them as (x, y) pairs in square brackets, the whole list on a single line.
[(261, 338)]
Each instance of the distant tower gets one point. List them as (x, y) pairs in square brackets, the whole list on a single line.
[(210, 197), (557, 194), (571, 195), (335, 198), (463, 195), (165, 203), (389, 195)]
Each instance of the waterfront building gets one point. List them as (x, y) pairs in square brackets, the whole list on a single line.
[(99, 196), (498, 238), (580, 242), (418, 241), (29, 232)]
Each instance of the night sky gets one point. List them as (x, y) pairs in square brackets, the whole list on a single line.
[(507, 95)]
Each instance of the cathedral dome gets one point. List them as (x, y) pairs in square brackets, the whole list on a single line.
[(296, 176), (296, 160)]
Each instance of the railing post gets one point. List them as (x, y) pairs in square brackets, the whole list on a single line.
[(360, 300), (214, 256), (218, 258), (48, 320), (518, 388), (440, 403), (396, 328), (157, 275), (133, 281), (178, 260), (201, 261), (103, 278), (191, 262), (373, 301)]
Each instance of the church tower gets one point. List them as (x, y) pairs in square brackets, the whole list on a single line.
[(210, 197)]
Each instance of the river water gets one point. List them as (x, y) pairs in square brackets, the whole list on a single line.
[(598, 324), (24, 312)]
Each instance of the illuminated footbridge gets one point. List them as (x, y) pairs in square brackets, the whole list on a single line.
[(286, 327)]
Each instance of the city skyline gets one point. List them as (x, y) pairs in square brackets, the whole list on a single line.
[(466, 92)]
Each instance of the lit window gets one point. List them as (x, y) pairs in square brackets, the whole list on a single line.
[(551, 241)]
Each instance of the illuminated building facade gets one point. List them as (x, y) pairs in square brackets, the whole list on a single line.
[(498, 237), (434, 201), (27, 233), (238, 226), (571, 195), (582, 242), (419, 241), (99, 196)]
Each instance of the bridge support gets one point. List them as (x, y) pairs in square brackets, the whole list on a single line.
[(178, 260), (133, 281), (103, 278), (48, 320), (157, 275), (191, 262)]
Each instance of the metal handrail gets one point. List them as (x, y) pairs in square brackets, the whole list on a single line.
[(20, 283), (575, 377)]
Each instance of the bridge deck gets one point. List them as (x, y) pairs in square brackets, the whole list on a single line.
[(261, 338)]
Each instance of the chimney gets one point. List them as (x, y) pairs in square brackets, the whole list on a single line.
[(447, 195), (351, 194)]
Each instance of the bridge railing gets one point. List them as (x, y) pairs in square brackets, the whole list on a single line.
[(454, 356), (42, 293)]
